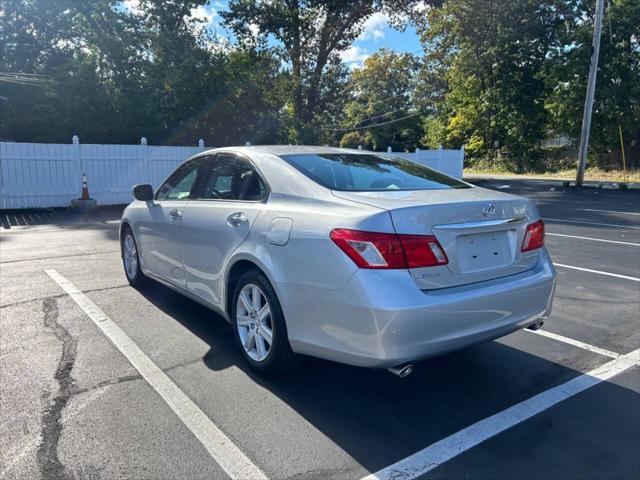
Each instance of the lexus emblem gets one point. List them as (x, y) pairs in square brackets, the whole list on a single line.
[(489, 210)]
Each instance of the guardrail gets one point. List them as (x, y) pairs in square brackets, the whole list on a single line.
[(40, 175)]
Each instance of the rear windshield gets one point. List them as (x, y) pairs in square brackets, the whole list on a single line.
[(355, 172)]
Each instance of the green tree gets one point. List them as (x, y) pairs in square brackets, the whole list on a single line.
[(110, 75), (245, 105), (490, 58), (381, 109), (53, 43), (617, 96), (308, 35)]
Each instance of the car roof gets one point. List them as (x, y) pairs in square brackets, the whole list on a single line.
[(290, 149), (282, 177)]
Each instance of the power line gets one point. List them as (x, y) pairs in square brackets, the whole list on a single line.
[(372, 126), (22, 74), (389, 98), (22, 78), (371, 118), (383, 114), (17, 82)]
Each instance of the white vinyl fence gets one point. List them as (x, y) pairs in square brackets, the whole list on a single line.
[(50, 175), (37, 175), (450, 162)]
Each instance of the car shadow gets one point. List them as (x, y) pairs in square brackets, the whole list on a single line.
[(378, 419)]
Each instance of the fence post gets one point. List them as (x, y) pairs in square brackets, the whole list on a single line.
[(462, 161), (440, 157), (144, 157), (75, 140)]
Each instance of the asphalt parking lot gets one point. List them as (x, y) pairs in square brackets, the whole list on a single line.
[(563, 402)]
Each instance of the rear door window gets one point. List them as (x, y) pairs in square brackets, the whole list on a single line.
[(370, 172)]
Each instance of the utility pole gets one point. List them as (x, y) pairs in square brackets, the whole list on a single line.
[(591, 88)]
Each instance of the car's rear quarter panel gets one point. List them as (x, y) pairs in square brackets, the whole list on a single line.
[(309, 258)]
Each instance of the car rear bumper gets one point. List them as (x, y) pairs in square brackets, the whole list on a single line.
[(381, 318)]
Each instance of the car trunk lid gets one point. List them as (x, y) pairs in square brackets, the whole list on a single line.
[(480, 231)]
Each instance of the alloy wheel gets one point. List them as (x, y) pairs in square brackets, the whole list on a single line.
[(253, 321), (130, 256)]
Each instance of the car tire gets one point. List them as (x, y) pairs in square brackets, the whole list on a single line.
[(131, 260), (251, 330)]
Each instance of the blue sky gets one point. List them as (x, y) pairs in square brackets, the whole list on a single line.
[(377, 33)]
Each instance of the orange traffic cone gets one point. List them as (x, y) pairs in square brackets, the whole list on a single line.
[(85, 188)]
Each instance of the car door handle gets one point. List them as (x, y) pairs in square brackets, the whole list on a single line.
[(175, 214), (237, 218)]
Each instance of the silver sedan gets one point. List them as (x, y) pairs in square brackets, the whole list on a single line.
[(353, 256)]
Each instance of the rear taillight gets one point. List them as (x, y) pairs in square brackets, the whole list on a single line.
[(369, 249), (388, 250), (534, 237)]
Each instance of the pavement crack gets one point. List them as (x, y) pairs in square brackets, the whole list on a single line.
[(47, 455), (31, 300), (103, 289), (58, 257), (107, 383)]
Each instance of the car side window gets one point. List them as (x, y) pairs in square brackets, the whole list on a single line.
[(181, 183), (227, 177)]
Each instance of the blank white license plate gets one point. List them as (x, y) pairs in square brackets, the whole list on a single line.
[(484, 251)]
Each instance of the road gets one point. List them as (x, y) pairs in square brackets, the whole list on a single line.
[(74, 406)]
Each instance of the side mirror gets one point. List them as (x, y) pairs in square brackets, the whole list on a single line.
[(143, 192)]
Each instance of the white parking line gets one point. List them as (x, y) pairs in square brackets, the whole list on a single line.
[(219, 446), (575, 343), (562, 220), (599, 272), (592, 239), (444, 450), (609, 211)]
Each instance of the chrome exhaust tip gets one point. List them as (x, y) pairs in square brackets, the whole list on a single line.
[(536, 326), (401, 371)]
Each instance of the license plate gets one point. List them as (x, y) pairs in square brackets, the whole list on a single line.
[(485, 251)]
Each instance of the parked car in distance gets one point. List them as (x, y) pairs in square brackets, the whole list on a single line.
[(353, 256)]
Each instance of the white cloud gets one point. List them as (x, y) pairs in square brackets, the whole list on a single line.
[(133, 6), (255, 29), (354, 55), (204, 20), (374, 27), (204, 14), (421, 7)]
